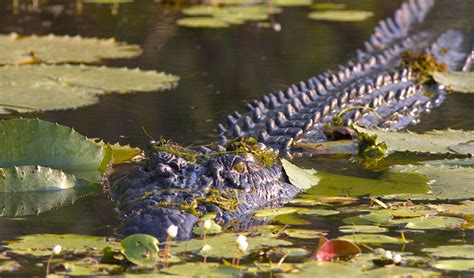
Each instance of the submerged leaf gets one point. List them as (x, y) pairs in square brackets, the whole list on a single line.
[(51, 49), (140, 249), (341, 15), (54, 87), (461, 81), (299, 177)]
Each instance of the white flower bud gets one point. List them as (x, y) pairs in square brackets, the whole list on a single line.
[(397, 258), (240, 239), (243, 245), (172, 231), (57, 249), (207, 225), (388, 255)]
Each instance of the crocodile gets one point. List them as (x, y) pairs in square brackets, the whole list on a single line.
[(176, 186)]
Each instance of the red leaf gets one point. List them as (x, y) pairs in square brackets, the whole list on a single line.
[(336, 249)]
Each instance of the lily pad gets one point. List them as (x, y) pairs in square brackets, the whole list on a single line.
[(202, 22), (299, 177), (365, 229), (386, 183), (86, 267), (462, 81), (292, 3), (465, 209), (452, 251), (51, 49), (450, 182), (193, 269), (55, 87), (302, 233), (123, 153), (140, 249), (224, 246), (376, 217), (8, 266), (454, 265), (215, 229), (270, 212), (42, 244), (372, 238), (325, 269), (318, 212), (435, 222), (341, 15), (436, 141), (399, 271)]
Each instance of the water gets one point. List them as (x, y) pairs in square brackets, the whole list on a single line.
[(220, 70)]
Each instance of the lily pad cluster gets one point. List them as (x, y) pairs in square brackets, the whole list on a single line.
[(34, 75), (337, 12)]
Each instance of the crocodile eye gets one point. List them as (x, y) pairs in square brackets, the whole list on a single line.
[(239, 166)]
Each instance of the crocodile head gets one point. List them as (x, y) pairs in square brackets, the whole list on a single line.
[(176, 186)]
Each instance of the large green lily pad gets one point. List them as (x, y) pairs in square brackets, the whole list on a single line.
[(51, 49), (461, 81), (452, 251), (29, 142), (42, 244), (436, 141), (387, 183), (435, 222), (453, 182), (341, 15), (224, 245), (300, 178), (140, 249), (372, 238), (55, 87), (454, 265)]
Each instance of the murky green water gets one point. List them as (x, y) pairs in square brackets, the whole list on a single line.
[(220, 70)]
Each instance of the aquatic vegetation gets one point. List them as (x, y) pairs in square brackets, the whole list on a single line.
[(140, 249), (462, 82), (340, 15), (56, 87), (16, 49)]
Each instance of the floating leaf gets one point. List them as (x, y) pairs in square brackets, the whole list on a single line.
[(452, 251), (8, 266), (123, 153), (454, 265), (42, 244), (108, 1), (51, 49), (302, 233), (435, 141), (270, 212), (318, 212), (449, 181), (292, 3), (35, 142), (365, 229), (299, 177), (462, 81), (435, 222), (223, 245), (85, 267), (465, 209), (372, 238), (54, 87), (376, 217), (399, 271), (215, 229), (339, 15), (386, 183), (202, 22), (201, 10), (140, 249), (336, 249), (325, 269), (193, 269)]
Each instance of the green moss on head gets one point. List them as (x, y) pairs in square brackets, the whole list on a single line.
[(266, 156), (171, 147), (422, 65)]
